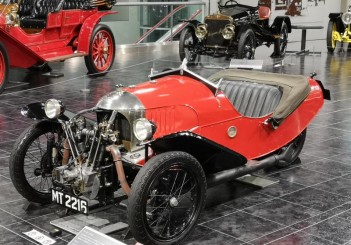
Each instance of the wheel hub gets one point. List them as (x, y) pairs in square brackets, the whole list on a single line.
[(173, 202)]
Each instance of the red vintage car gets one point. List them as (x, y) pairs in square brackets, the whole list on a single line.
[(35, 32), (163, 142)]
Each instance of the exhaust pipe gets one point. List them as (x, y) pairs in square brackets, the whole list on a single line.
[(116, 155), (251, 166)]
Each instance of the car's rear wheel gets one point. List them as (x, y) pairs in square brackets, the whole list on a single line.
[(167, 197), (187, 43), (331, 42), (247, 45), (298, 144), (101, 51), (4, 68), (283, 41)]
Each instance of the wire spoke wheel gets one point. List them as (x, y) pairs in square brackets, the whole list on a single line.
[(167, 197), (247, 45), (102, 51), (172, 202), (283, 40), (187, 45), (4, 67), (29, 169), (331, 37)]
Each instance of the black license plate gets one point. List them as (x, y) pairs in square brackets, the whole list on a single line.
[(69, 201)]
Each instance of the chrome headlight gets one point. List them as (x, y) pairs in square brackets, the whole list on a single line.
[(201, 31), (53, 108), (10, 19), (228, 32), (143, 129), (346, 18)]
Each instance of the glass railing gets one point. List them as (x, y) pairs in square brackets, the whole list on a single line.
[(150, 22)]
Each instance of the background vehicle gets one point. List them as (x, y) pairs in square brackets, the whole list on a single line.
[(338, 29), (164, 145), (235, 31), (35, 32)]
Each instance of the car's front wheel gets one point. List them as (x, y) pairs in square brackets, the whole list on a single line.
[(167, 197), (101, 51), (187, 43), (247, 45), (331, 42), (28, 162), (4, 68)]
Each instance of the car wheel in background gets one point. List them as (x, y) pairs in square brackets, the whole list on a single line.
[(101, 51), (4, 68), (187, 44), (247, 45)]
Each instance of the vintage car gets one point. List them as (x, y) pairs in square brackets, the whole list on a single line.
[(164, 142), (235, 31), (338, 29), (35, 32)]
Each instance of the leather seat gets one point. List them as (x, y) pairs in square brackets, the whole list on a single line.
[(251, 99), (35, 15)]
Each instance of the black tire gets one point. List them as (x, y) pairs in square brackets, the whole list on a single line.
[(283, 40), (103, 51), (330, 43), (298, 142), (187, 43), (247, 45), (159, 177), (26, 158), (4, 67)]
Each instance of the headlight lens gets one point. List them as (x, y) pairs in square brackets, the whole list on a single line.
[(53, 108), (201, 31), (346, 18), (228, 32), (9, 19), (143, 129)]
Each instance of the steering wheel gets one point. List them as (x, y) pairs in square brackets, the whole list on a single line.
[(230, 1)]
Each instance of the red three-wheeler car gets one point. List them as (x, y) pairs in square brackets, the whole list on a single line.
[(34, 32)]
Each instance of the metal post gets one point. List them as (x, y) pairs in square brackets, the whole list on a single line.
[(303, 40), (171, 23)]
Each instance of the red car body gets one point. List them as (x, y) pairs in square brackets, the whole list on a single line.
[(66, 33), (192, 107)]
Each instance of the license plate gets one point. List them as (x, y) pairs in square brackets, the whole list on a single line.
[(69, 201)]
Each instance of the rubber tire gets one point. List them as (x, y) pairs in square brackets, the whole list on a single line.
[(284, 27), (89, 63), (16, 162), (301, 141), (7, 67), (330, 36), (242, 40), (141, 184), (182, 54)]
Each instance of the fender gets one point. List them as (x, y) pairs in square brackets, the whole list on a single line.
[(334, 16), (86, 31), (278, 22), (212, 156), (191, 23)]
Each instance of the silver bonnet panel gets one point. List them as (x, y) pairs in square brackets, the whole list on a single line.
[(121, 101)]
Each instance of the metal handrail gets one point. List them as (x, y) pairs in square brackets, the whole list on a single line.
[(146, 34)]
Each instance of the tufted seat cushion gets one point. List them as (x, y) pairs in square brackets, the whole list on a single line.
[(251, 99)]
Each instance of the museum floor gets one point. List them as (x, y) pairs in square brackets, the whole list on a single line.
[(311, 204)]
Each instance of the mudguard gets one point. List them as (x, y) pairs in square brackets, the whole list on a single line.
[(333, 16), (192, 23), (278, 22), (87, 30), (212, 156)]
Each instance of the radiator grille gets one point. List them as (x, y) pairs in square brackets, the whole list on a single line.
[(214, 29)]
